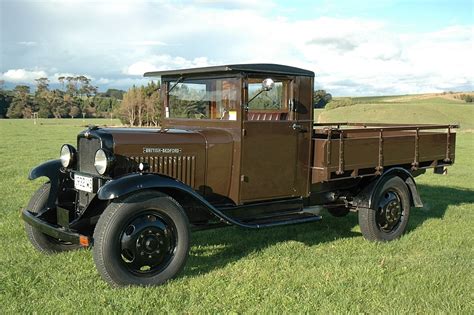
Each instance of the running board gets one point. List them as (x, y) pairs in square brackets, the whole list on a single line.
[(296, 218)]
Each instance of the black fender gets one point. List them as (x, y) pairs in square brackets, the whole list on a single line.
[(366, 198), (128, 184), (52, 170)]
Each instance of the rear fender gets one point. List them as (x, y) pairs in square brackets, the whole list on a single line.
[(366, 198), (51, 170)]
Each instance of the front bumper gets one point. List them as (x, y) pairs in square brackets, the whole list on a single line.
[(53, 230)]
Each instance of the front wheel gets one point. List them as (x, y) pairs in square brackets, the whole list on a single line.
[(389, 217), (142, 239)]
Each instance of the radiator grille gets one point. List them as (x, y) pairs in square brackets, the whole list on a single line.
[(179, 167), (86, 154)]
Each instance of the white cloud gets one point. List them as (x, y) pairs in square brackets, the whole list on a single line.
[(147, 43), (349, 55), (164, 62), (138, 68), (235, 4), (122, 83), (103, 81), (27, 43), (22, 75)]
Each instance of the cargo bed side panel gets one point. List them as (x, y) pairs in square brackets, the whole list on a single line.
[(363, 153)]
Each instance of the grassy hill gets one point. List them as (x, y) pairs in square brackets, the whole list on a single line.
[(420, 109)]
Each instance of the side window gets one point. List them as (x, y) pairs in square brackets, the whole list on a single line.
[(272, 99), (269, 105)]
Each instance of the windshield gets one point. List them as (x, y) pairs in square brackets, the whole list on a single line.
[(204, 98)]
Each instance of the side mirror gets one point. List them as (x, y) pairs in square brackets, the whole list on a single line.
[(267, 84)]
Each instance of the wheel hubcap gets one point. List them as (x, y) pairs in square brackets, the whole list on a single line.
[(148, 243), (389, 212)]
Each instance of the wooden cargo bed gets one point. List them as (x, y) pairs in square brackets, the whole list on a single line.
[(345, 150)]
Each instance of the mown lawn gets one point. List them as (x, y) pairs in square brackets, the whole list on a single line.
[(320, 267)]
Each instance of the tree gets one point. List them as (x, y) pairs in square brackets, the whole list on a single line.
[(5, 101), (86, 89), (104, 106), (55, 105), (114, 93), (74, 111), (152, 104), (40, 100), (42, 84), (21, 103), (129, 106), (141, 106), (61, 81), (71, 86)]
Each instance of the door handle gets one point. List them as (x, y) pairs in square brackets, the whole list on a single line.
[(298, 127)]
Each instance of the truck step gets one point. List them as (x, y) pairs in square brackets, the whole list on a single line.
[(295, 218)]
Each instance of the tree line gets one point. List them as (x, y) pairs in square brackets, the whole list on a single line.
[(141, 106), (76, 97)]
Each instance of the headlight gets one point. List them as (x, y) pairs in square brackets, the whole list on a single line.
[(102, 161), (67, 155)]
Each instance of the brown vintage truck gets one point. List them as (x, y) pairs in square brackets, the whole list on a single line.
[(239, 146)]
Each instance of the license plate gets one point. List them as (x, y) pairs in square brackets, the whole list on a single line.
[(83, 183)]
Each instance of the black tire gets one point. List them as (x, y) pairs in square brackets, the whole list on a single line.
[(42, 242), (338, 211), (389, 217), (141, 239)]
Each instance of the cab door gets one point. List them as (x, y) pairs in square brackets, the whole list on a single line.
[(273, 144)]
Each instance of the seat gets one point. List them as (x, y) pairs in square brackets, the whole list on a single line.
[(267, 115)]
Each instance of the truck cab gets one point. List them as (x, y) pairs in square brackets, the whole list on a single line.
[(237, 145), (258, 138)]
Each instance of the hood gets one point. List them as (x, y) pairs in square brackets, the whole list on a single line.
[(156, 142), (180, 154), (184, 154)]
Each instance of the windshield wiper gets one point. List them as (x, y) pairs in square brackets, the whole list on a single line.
[(180, 79)]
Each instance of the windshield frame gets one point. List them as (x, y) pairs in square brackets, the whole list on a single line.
[(167, 83)]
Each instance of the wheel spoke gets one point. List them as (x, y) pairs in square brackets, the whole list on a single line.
[(137, 263), (389, 211), (147, 243)]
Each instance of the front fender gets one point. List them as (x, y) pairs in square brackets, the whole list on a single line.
[(51, 170), (135, 182)]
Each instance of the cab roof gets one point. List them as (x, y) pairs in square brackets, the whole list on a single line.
[(267, 68)]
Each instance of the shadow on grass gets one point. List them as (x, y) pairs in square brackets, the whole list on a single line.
[(436, 200), (216, 248)]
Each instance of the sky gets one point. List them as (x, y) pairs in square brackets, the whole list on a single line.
[(355, 48)]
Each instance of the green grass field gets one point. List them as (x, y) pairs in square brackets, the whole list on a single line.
[(319, 267), (403, 109)]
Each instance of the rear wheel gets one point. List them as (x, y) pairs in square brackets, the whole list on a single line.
[(42, 242), (142, 239), (388, 220)]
